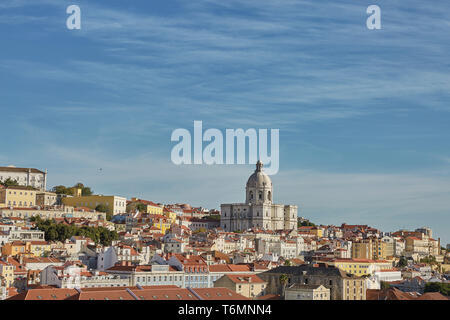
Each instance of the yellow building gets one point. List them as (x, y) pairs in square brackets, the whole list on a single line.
[(18, 197), (29, 248), (38, 248), (161, 222), (115, 205), (170, 214), (7, 272), (360, 267), (380, 249), (354, 289), (161, 225)]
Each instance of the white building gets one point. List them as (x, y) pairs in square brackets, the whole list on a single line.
[(258, 211), (26, 235), (307, 292), (75, 276), (173, 244), (388, 275), (28, 177), (3, 292), (106, 258)]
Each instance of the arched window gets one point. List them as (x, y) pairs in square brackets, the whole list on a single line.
[(260, 195), (269, 196), (251, 195)]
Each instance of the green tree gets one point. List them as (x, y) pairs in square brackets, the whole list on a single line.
[(305, 223), (61, 232), (141, 207), (101, 208), (61, 190), (384, 285), (402, 262), (51, 234), (287, 262), (104, 208), (71, 191), (86, 191), (429, 260)]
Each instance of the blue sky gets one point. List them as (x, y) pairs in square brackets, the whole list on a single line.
[(363, 115)]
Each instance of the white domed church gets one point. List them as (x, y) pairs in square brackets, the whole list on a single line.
[(258, 211)]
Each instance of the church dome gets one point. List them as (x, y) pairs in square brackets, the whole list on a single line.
[(259, 179)]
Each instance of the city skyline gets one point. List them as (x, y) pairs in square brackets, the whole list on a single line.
[(363, 114)]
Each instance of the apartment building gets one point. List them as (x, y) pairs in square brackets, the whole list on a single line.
[(17, 197), (307, 292)]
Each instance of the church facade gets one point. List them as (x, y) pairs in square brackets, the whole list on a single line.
[(258, 211)]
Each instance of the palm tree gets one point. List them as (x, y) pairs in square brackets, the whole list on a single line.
[(284, 280)]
